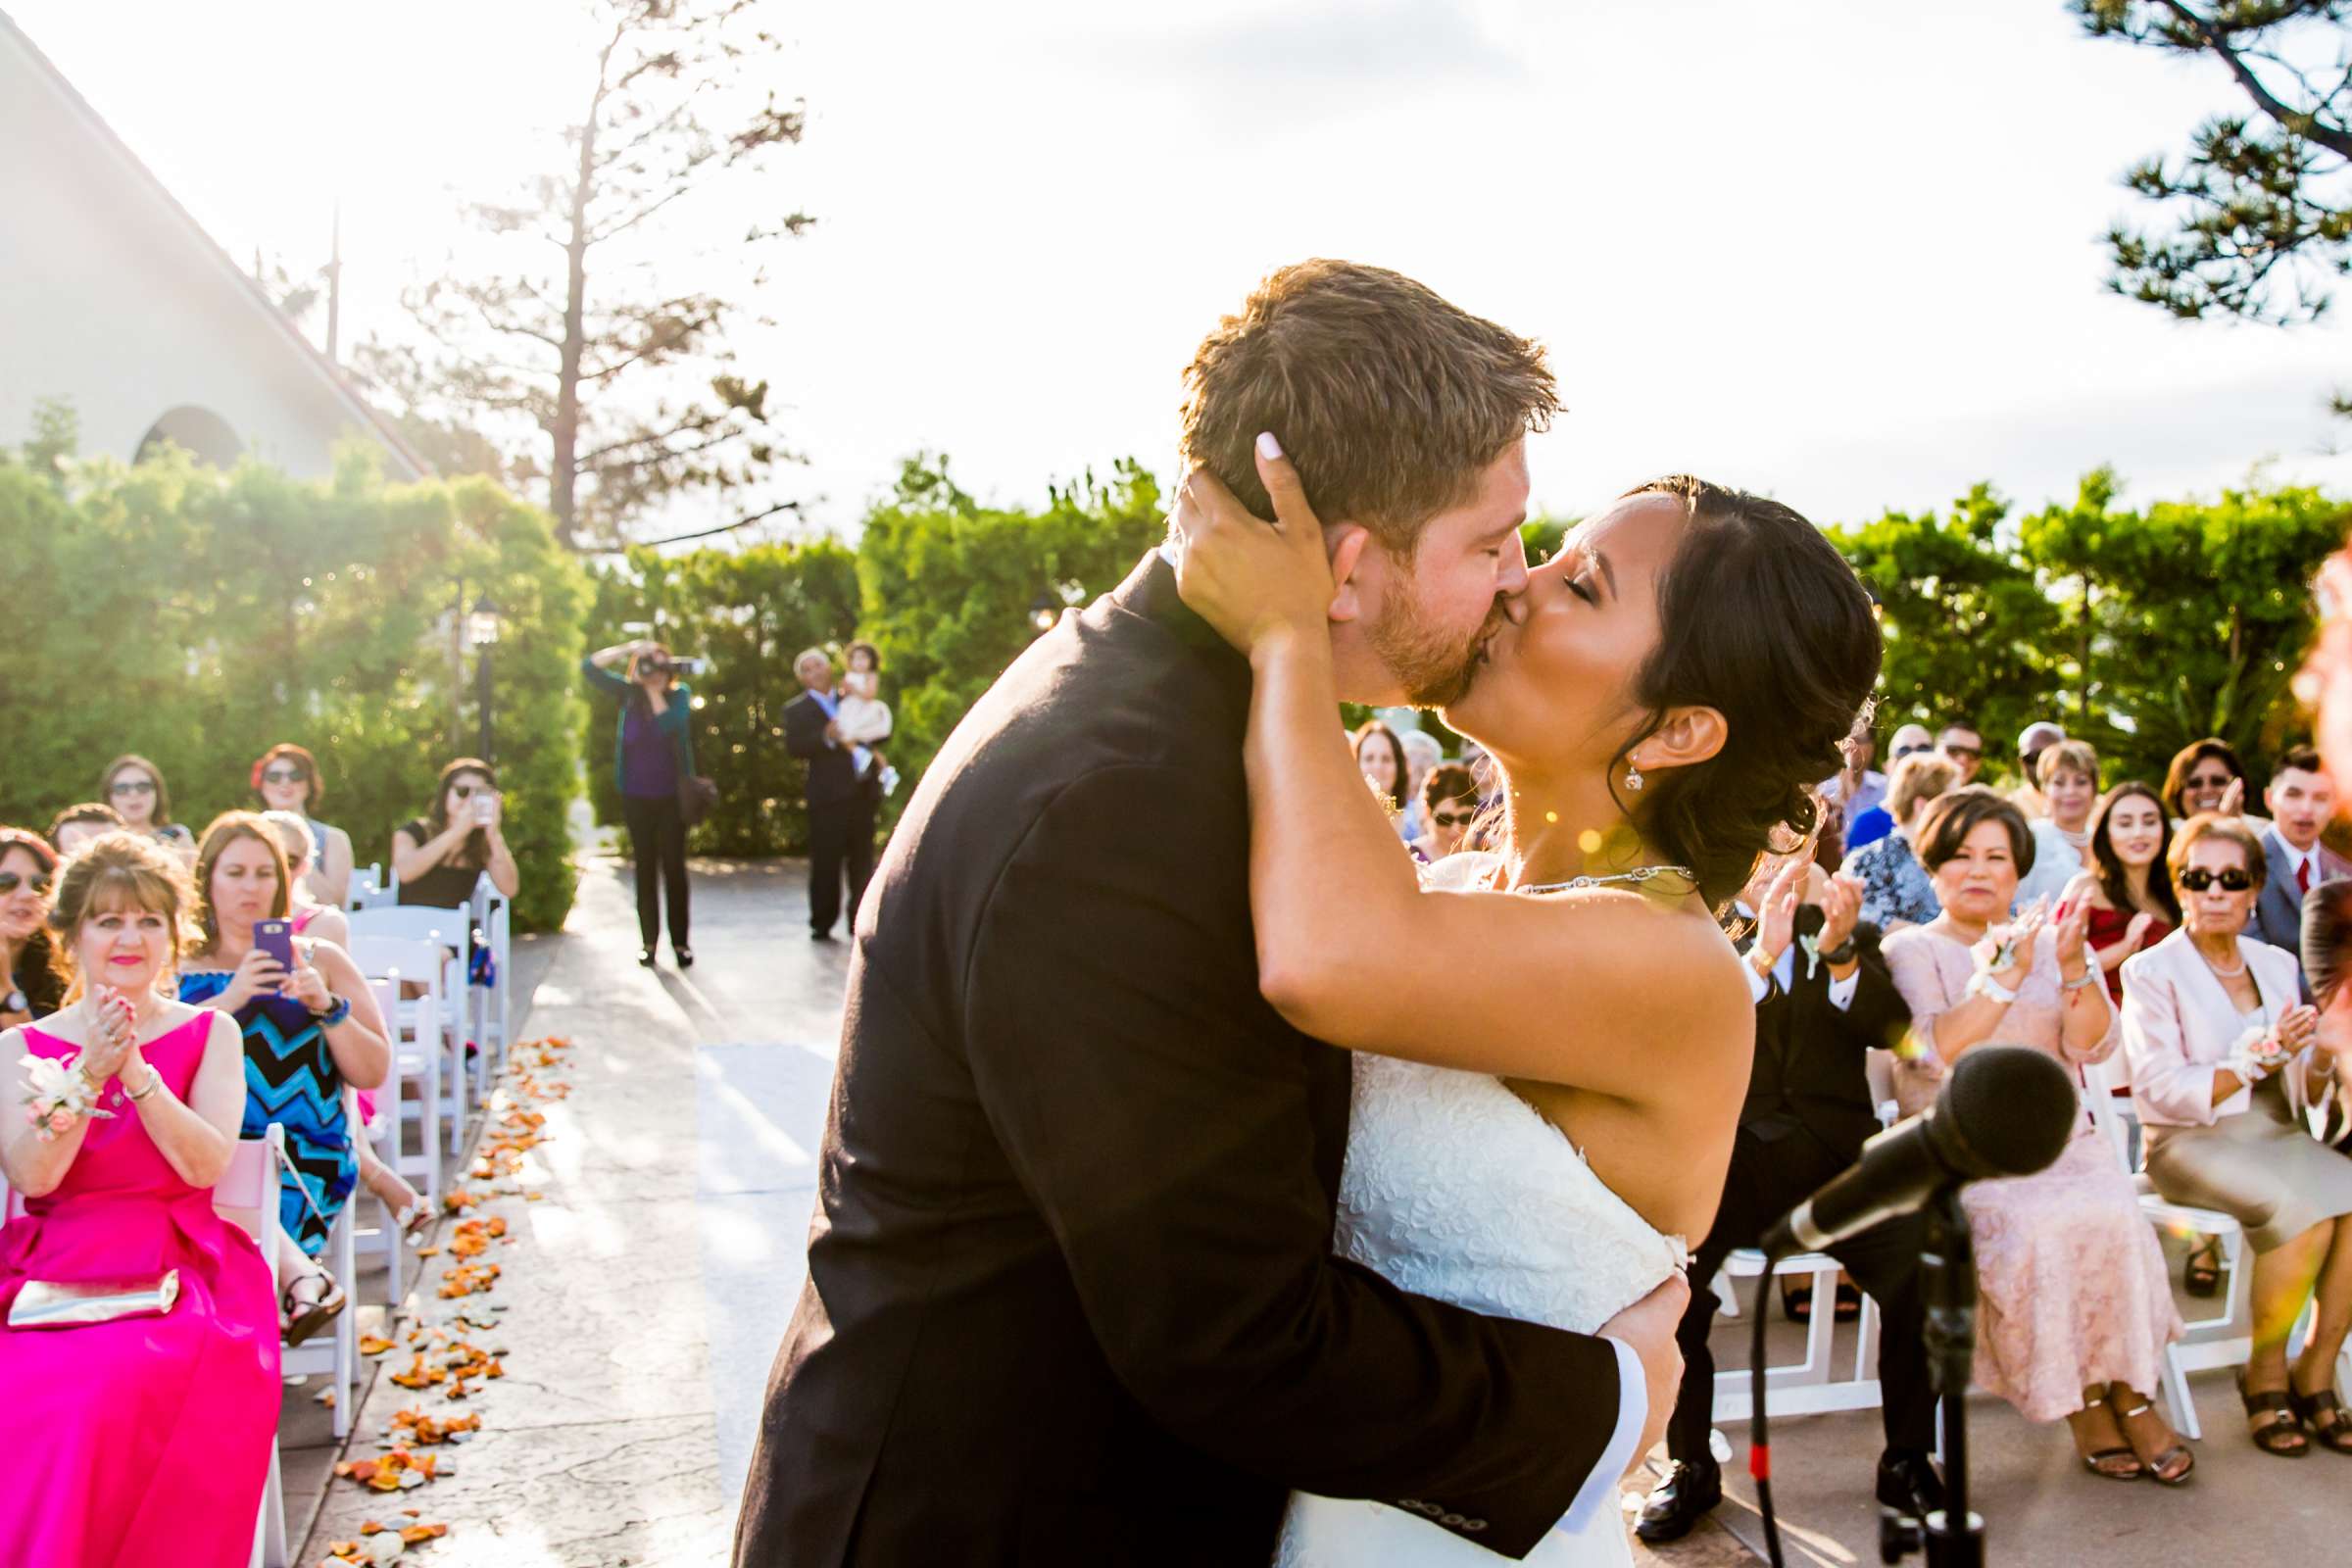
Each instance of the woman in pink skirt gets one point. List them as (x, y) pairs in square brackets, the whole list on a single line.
[(2074, 1310), (142, 1439)]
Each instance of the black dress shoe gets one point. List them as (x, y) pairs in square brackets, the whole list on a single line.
[(821, 936), (1908, 1483), (684, 956), (645, 956), (1677, 1503)]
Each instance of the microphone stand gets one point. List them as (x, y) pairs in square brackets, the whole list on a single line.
[(1954, 1536)]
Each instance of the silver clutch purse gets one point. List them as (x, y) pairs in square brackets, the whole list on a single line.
[(48, 1305)]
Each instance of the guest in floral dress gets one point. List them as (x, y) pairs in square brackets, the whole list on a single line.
[(1895, 889), (2074, 1310), (140, 1440)]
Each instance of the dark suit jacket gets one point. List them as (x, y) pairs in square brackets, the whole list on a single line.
[(2279, 908), (832, 771), (1071, 1295), (1809, 1054)]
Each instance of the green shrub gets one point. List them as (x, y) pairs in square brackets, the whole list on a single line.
[(198, 616)]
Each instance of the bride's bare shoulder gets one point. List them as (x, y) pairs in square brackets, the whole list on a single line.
[(1670, 952)]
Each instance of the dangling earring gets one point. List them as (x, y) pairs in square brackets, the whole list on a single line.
[(1632, 774)]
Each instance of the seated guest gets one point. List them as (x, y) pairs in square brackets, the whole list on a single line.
[(142, 1439), (78, 826), (1895, 889), (442, 854), (2068, 772), (2033, 740), (134, 787), (1381, 757), (1809, 1108), (1857, 787), (1449, 803), (1963, 745), (2225, 1062), (2207, 776), (306, 1033), (325, 923), (2302, 801), (29, 985), (286, 778), (2131, 894), (1873, 824), (2077, 1308)]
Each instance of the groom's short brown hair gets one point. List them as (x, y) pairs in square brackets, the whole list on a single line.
[(1389, 400)]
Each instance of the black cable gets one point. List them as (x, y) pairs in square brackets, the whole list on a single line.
[(1759, 1442)]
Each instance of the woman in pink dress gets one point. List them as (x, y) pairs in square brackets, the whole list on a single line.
[(145, 1440), (2074, 1310)]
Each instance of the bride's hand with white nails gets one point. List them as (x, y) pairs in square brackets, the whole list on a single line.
[(1250, 581)]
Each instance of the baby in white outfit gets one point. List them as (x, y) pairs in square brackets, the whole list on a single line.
[(864, 719)]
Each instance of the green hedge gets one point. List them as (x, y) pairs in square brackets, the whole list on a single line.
[(197, 617), (750, 613)]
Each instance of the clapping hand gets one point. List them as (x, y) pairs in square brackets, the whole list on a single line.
[(2298, 1027), (2136, 935), (2233, 799), (2073, 926), (1250, 579), (2020, 935), (1841, 909), (1776, 922), (113, 1033)]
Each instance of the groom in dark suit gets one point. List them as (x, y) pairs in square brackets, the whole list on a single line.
[(1071, 1295)]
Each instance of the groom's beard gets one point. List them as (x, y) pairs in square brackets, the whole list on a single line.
[(1435, 666)]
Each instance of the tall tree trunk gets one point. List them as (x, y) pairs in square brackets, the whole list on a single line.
[(563, 475)]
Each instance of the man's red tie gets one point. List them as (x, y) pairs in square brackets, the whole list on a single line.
[(2303, 875)]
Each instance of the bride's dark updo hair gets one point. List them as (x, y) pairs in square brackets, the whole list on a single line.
[(1761, 619)]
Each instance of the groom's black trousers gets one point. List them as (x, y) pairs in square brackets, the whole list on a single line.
[(1768, 1178)]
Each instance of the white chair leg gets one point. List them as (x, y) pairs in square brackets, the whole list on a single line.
[(274, 1550), (2177, 1394)]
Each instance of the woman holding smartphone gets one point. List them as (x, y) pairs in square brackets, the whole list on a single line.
[(311, 1026), (439, 857)]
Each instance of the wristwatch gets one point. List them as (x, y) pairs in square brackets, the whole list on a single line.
[(1841, 953), (334, 1015)]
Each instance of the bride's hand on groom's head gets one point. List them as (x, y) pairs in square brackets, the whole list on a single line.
[(1249, 579)]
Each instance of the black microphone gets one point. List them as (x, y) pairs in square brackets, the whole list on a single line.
[(2005, 1110)]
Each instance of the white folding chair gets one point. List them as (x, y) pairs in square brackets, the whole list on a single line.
[(1807, 1387), (370, 889), (383, 1134), (419, 1047), (451, 933), (493, 918), (247, 1196), (337, 1357)]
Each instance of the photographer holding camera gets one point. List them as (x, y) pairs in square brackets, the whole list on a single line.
[(653, 757)]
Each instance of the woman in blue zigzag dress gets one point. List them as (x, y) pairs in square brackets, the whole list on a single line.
[(308, 1034)]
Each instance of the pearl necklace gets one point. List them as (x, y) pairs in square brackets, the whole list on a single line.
[(2226, 974)]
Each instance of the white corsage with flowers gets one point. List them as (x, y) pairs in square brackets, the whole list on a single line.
[(2257, 1054), (57, 1096)]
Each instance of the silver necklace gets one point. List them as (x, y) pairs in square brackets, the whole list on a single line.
[(1637, 875)]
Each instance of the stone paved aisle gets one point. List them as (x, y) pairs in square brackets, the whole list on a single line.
[(599, 1447)]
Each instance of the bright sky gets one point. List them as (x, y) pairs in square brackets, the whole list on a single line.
[(1844, 252)]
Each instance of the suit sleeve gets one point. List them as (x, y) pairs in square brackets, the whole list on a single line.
[(805, 730), (1157, 1112), (1877, 1015)]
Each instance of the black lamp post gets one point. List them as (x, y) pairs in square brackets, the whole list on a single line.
[(481, 630)]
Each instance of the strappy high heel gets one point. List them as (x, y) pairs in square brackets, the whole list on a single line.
[(2157, 1469), (2282, 1439)]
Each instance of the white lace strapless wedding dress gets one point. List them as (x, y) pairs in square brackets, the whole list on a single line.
[(1455, 1188)]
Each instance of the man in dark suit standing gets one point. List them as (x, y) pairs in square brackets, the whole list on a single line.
[(1823, 999), (1072, 1295), (842, 795)]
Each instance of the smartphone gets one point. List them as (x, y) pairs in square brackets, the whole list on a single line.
[(276, 939)]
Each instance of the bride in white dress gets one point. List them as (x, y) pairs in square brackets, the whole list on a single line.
[(1555, 1036)]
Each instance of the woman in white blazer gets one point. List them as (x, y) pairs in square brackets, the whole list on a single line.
[(2226, 1060)]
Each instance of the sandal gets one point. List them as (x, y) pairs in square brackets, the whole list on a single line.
[(2281, 1436), (2110, 1464), (306, 1317), (2172, 1467), (2333, 1432), (1849, 1301), (1797, 1302), (2201, 1276)]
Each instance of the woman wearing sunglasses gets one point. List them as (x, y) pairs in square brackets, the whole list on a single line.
[(1449, 800), (134, 787), (29, 986), (442, 854), (2224, 1058), (286, 779)]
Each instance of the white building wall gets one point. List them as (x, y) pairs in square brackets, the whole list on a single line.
[(112, 298)]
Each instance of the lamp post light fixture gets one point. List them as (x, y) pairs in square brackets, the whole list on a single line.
[(1044, 611), (481, 630)]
